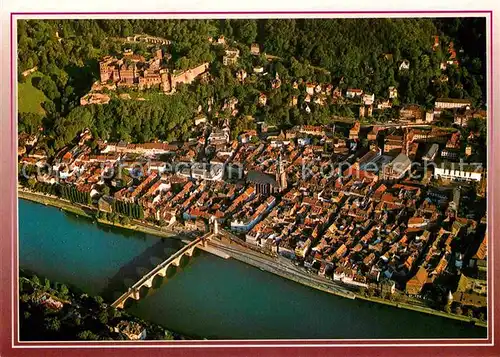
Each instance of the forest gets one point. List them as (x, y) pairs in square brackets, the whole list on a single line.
[(362, 53)]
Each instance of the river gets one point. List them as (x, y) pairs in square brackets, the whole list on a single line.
[(207, 296)]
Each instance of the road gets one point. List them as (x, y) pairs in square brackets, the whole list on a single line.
[(280, 266)]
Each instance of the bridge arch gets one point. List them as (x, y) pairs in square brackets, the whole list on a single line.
[(137, 290)]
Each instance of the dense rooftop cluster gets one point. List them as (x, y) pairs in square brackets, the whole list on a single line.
[(349, 212)]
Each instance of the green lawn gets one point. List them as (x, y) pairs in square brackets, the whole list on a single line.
[(29, 97)]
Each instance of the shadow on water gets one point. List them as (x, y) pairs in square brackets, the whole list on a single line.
[(133, 270), (158, 282)]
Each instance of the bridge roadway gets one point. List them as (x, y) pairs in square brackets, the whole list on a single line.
[(161, 269)]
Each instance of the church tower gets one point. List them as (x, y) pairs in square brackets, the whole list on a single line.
[(281, 175)]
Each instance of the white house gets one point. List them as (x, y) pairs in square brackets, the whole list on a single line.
[(459, 172), (310, 88), (258, 70), (304, 141), (353, 92), (368, 99), (405, 65), (429, 117), (200, 120), (452, 103), (393, 92)]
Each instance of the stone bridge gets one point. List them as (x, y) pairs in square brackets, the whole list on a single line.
[(161, 270)]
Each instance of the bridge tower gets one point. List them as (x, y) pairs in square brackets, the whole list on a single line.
[(214, 225)]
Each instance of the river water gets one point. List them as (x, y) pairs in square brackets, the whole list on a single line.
[(207, 296)]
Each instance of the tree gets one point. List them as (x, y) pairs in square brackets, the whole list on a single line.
[(35, 280), (105, 190), (47, 85), (168, 335), (113, 313), (103, 317), (52, 324), (99, 300), (29, 122), (125, 220), (63, 289), (246, 30), (47, 284), (32, 182), (87, 335)]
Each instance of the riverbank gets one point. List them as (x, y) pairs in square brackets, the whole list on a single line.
[(90, 212), (60, 312), (275, 265), (295, 274), (425, 310), (54, 201)]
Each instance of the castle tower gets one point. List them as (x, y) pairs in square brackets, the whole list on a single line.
[(165, 82), (159, 54), (103, 71)]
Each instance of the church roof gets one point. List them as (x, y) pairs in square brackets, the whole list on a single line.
[(259, 177)]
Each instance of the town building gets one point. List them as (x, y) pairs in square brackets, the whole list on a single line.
[(132, 330), (231, 57), (393, 92), (397, 168), (459, 171), (354, 92), (452, 103), (354, 131), (405, 65), (416, 283), (411, 113), (431, 154), (373, 134), (393, 144), (255, 49), (429, 116), (368, 99)]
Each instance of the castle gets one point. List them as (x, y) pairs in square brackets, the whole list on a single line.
[(134, 70)]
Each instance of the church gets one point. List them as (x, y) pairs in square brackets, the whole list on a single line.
[(266, 184)]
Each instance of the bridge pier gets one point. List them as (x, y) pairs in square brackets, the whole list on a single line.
[(149, 283), (190, 252), (135, 294), (163, 272), (177, 261), (148, 276)]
